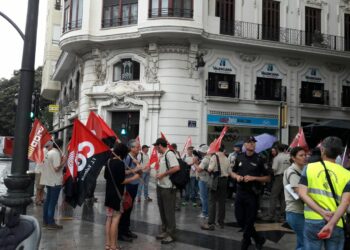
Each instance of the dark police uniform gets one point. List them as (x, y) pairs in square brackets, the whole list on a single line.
[(247, 197)]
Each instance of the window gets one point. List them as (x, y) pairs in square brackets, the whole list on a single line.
[(346, 96), (347, 31), (171, 8), (311, 92), (73, 13), (126, 70), (271, 20), (56, 33), (313, 26), (225, 9), (119, 12), (222, 85), (268, 89)]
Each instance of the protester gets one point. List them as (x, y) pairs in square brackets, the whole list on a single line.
[(219, 165), (202, 170), (166, 192), (146, 173), (250, 173), (115, 179), (51, 178), (39, 194), (132, 166), (191, 187), (295, 206), (321, 211), (315, 155), (280, 163)]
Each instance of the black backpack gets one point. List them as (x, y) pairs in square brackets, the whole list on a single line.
[(181, 177)]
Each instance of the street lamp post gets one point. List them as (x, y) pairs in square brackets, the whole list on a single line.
[(17, 182)]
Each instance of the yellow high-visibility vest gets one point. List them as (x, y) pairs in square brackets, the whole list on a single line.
[(320, 191)]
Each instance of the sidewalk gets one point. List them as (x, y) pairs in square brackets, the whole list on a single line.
[(85, 229)]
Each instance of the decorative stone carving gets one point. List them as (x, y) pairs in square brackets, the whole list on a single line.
[(293, 61), (173, 48), (191, 64), (316, 2), (152, 65), (248, 57), (123, 89), (335, 67), (345, 5), (100, 66)]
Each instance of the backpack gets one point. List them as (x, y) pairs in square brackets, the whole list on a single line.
[(181, 177)]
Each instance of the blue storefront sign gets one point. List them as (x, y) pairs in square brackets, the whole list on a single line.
[(243, 121)]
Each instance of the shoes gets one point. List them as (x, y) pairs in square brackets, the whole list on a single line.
[(54, 226), (161, 236), (167, 240), (202, 216), (124, 238), (138, 199), (194, 204), (209, 227), (131, 235), (148, 199), (259, 246)]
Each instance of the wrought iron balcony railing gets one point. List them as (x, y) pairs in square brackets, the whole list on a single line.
[(115, 22), (314, 96), (171, 12), (283, 35), (224, 89), (74, 25)]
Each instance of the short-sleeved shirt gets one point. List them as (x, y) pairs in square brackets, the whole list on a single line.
[(144, 160), (49, 176), (249, 165), (280, 163), (292, 176), (203, 175), (172, 161), (189, 160), (224, 164), (130, 163)]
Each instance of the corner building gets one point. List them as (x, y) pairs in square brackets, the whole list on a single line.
[(189, 67)]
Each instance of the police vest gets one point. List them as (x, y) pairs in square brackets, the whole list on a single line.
[(320, 191)]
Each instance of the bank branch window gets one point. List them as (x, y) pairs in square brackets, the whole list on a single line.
[(313, 93), (222, 85), (268, 89), (126, 70)]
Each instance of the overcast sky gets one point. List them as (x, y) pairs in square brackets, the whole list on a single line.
[(11, 44)]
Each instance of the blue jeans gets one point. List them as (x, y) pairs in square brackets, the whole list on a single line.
[(311, 241), (203, 193), (145, 177), (50, 203), (191, 189), (296, 222)]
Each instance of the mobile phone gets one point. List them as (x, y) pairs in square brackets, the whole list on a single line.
[(323, 235)]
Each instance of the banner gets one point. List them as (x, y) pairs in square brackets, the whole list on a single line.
[(38, 137)]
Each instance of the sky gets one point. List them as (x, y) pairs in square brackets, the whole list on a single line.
[(11, 43)]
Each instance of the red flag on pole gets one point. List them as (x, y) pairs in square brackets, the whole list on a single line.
[(38, 137), (215, 145), (187, 144), (299, 140), (100, 128), (86, 156), (154, 159), (169, 146)]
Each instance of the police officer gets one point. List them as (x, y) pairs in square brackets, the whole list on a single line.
[(250, 173)]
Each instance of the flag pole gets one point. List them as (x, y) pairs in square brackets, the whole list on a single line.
[(343, 160), (59, 149)]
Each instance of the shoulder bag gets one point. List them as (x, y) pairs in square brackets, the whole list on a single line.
[(346, 224)]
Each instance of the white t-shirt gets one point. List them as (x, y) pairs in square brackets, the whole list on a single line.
[(165, 182), (49, 177)]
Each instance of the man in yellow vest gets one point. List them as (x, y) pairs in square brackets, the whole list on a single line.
[(323, 225)]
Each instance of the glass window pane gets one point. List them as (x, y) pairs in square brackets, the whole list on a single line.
[(80, 10), (74, 11), (115, 15), (125, 14), (165, 6), (133, 13)]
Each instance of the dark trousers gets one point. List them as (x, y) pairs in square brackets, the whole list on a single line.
[(217, 198), (246, 207), (166, 203), (124, 224), (52, 194), (277, 196)]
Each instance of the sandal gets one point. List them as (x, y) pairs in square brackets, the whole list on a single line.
[(107, 247)]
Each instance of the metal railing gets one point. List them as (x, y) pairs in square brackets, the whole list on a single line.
[(279, 95), (73, 25), (231, 90), (283, 35), (115, 22), (171, 12), (314, 96)]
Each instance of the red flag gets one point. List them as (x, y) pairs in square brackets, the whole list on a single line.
[(215, 145), (100, 128), (38, 137), (169, 146), (86, 156), (154, 159), (299, 140), (187, 144)]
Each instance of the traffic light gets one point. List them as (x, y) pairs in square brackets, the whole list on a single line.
[(35, 105)]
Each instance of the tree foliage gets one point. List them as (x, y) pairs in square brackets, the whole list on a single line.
[(8, 90)]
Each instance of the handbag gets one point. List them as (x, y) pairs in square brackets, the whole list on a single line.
[(126, 199), (213, 180), (346, 223)]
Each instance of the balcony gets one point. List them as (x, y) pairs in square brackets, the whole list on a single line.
[(74, 25), (171, 12), (224, 89), (271, 94), (311, 96), (284, 35), (116, 22)]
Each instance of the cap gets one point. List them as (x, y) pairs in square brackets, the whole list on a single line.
[(251, 139), (160, 141), (203, 148), (144, 146), (49, 143)]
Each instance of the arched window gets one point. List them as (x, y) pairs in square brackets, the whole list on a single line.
[(119, 12), (126, 70), (171, 8)]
